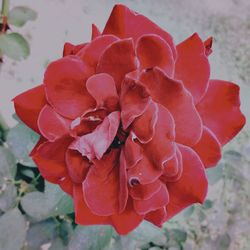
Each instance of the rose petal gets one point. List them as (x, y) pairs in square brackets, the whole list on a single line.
[(124, 23), (65, 87), (158, 200), (208, 46), (220, 110), (157, 217), (77, 166), (50, 158), (102, 88), (70, 49), (178, 101), (51, 125), (83, 215), (66, 185), (29, 104), (192, 66), (101, 186), (117, 60), (191, 187), (93, 51), (153, 51), (95, 32), (95, 144), (208, 148)]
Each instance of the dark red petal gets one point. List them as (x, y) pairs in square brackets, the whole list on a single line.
[(70, 49), (118, 60), (178, 101), (161, 148), (93, 51), (50, 158), (158, 200), (66, 185), (153, 51), (83, 215), (126, 221), (95, 32), (173, 168), (29, 104), (95, 144), (101, 186), (192, 66), (65, 87), (144, 126), (124, 23), (102, 88), (77, 165), (52, 125), (157, 217), (208, 148), (208, 46), (134, 100), (191, 187), (144, 192), (220, 110)]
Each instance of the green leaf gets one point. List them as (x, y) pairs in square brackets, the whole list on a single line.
[(21, 141), (207, 204), (215, 174), (90, 238), (52, 202), (19, 15), (177, 235), (12, 230)]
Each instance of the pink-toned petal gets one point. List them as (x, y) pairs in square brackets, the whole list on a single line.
[(50, 158), (220, 110), (134, 100), (208, 148), (77, 165), (124, 23), (191, 187), (157, 217), (101, 186), (126, 221), (52, 125), (29, 104), (144, 192), (153, 51), (178, 101), (208, 46), (70, 49), (83, 215), (158, 200), (93, 51), (118, 60), (95, 32), (95, 144), (65, 87), (102, 87), (66, 185), (144, 126), (192, 66)]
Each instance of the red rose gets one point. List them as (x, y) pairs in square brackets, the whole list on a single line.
[(129, 122)]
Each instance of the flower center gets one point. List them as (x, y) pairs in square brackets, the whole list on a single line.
[(120, 138)]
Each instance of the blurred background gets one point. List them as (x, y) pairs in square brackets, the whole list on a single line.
[(40, 31)]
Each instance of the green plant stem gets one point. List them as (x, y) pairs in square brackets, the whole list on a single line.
[(5, 7), (3, 124)]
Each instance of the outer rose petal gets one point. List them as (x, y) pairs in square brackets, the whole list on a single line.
[(220, 110), (191, 187), (178, 101), (124, 23), (50, 158), (157, 217), (92, 52), (29, 104), (95, 144), (158, 200), (118, 60), (102, 88), (83, 215), (208, 148), (208, 46), (66, 185), (95, 32), (70, 49), (153, 51), (65, 87), (51, 125), (192, 66)]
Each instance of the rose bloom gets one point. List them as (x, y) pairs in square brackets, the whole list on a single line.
[(129, 122)]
